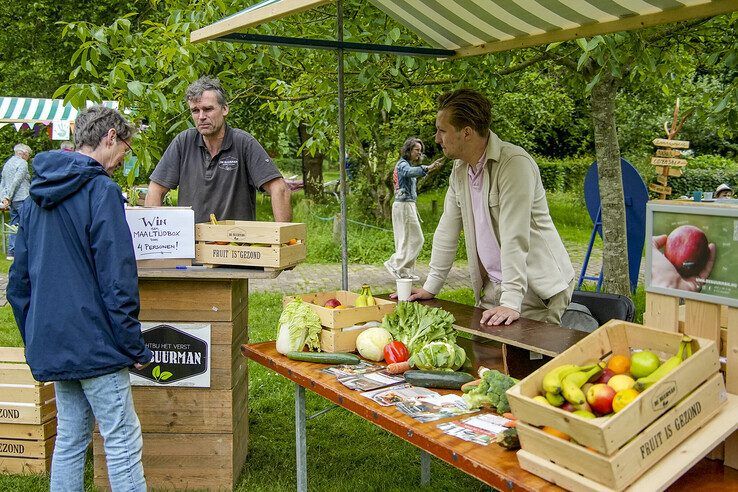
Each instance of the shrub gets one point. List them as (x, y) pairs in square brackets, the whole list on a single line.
[(701, 179)]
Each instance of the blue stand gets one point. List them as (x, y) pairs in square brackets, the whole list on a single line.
[(596, 229)]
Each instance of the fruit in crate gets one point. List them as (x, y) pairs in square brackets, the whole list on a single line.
[(365, 297), (621, 382), (623, 398), (619, 364), (585, 414), (606, 375), (556, 433), (553, 379), (332, 303), (600, 398), (685, 351), (643, 363), (687, 249), (571, 385)]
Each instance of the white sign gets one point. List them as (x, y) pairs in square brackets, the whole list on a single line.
[(59, 130), (162, 232), (182, 354)]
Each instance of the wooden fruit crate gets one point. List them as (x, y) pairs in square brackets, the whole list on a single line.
[(608, 435), (637, 456), (335, 319), (27, 416), (274, 245), (342, 340)]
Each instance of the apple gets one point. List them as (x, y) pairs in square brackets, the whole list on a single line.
[(687, 249), (605, 376), (621, 382), (585, 414), (568, 407), (600, 398), (332, 303)]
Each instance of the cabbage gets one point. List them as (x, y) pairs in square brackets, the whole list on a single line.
[(298, 326), (439, 356), (370, 343)]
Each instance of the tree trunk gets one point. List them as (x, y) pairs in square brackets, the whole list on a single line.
[(312, 167), (607, 151)]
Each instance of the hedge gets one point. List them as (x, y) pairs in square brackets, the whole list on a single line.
[(564, 174), (702, 179)]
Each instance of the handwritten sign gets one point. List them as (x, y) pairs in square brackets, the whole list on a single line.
[(162, 232), (667, 161), (671, 144)]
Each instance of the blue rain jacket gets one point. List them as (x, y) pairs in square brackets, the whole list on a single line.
[(73, 284)]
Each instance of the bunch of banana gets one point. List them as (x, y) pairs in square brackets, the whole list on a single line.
[(571, 385), (685, 351), (365, 297)]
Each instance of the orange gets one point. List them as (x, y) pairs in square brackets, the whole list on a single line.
[(619, 364), (555, 432), (623, 398)]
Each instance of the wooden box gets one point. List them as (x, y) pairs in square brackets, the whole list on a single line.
[(27, 416), (348, 316), (341, 340), (275, 245), (608, 435), (637, 456)]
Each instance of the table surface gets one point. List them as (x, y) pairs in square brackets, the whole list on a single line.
[(197, 273)]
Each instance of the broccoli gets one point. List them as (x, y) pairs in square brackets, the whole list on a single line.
[(493, 387)]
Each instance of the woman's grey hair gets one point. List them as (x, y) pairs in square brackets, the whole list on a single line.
[(407, 147), (21, 147), (93, 123), (205, 83)]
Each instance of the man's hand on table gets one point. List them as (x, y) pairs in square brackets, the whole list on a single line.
[(499, 315), (416, 295)]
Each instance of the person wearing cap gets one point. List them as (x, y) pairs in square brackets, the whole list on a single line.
[(723, 191), (14, 186)]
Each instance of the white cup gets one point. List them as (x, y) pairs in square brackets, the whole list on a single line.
[(707, 195), (404, 288)]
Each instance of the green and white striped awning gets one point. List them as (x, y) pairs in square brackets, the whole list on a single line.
[(20, 110), (472, 27)]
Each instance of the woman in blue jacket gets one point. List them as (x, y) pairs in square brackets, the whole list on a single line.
[(74, 292)]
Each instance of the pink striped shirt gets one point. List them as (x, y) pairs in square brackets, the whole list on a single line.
[(488, 248)]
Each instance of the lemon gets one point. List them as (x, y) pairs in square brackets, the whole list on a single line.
[(643, 363)]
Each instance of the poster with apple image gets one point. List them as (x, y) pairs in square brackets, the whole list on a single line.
[(692, 251)]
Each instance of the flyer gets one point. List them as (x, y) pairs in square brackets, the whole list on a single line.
[(398, 394)]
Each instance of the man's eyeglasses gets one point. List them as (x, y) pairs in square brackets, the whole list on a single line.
[(129, 152)]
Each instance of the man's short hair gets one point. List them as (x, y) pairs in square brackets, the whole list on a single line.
[(467, 107), (407, 147), (93, 123), (66, 145), (205, 83), (21, 147)]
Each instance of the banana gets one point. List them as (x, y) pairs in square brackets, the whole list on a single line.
[(555, 399), (552, 380), (369, 297), (361, 301), (213, 220), (572, 384), (685, 348)]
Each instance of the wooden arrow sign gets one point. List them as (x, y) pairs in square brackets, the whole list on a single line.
[(671, 144), (673, 171), (668, 161), (664, 190), (668, 153), (663, 180)]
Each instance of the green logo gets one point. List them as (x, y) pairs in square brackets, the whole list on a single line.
[(160, 376)]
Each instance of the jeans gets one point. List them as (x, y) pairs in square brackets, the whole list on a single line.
[(108, 400), (14, 221)]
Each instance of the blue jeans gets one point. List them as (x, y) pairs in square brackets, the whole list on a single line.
[(108, 400), (14, 221)]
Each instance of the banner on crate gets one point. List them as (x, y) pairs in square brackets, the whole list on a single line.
[(162, 232), (181, 355), (692, 251)]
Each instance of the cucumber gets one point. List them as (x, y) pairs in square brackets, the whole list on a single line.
[(438, 379), (324, 357)]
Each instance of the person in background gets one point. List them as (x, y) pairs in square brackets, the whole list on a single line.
[(517, 261), (723, 191), (73, 288), (405, 219), (14, 188), (218, 168), (67, 145)]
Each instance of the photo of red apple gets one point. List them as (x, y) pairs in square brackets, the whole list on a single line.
[(687, 249), (332, 303), (600, 398)]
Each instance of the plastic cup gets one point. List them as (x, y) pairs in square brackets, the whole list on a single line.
[(697, 196), (404, 288), (707, 195)]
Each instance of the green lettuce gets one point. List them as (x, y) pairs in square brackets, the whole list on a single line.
[(417, 325), (298, 326), (439, 356)]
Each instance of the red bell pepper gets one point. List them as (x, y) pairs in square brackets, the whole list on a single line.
[(395, 352)]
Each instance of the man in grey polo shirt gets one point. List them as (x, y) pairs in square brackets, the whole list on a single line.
[(218, 168)]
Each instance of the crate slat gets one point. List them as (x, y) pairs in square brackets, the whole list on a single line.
[(243, 231), (342, 318), (12, 354), (27, 393), (24, 466), (256, 256), (23, 414)]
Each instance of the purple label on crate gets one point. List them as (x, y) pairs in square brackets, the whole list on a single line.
[(663, 398)]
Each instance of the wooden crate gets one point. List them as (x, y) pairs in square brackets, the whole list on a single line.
[(276, 257), (27, 417), (243, 231), (335, 319), (637, 456), (192, 300), (342, 340), (618, 337)]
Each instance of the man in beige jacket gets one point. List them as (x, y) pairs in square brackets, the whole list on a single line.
[(517, 261)]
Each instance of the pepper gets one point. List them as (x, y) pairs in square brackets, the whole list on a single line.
[(396, 352)]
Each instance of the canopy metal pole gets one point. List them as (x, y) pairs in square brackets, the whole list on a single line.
[(342, 152)]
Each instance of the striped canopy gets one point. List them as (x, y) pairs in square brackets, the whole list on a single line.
[(472, 27), (28, 110)]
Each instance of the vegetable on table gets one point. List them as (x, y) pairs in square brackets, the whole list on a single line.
[(371, 342), (490, 393), (324, 357), (438, 379), (396, 352), (398, 367), (445, 356), (416, 325), (298, 326), (509, 439)]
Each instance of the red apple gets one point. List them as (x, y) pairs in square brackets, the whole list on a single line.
[(687, 249), (605, 376), (568, 407), (600, 398), (332, 303)]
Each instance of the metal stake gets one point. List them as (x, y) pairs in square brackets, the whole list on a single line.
[(425, 461), (300, 438), (342, 152)]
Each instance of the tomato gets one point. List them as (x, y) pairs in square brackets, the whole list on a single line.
[(395, 352)]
